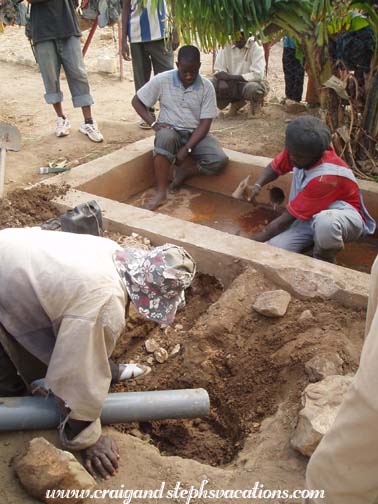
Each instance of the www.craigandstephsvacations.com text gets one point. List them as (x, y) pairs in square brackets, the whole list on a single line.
[(185, 495)]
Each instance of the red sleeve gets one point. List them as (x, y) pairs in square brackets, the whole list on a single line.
[(281, 163), (318, 195)]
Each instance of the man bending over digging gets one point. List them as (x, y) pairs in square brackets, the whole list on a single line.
[(62, 308), (325, 208), (187, 108)]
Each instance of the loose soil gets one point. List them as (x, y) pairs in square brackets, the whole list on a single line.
[(30, 208), (248, 363)]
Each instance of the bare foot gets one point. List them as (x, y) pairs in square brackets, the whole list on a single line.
[(181, 174), (156, 201)]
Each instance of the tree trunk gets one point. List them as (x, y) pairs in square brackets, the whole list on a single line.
[(370, 116)]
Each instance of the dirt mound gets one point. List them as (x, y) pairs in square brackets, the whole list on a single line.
[(249, 364), (29, 207)]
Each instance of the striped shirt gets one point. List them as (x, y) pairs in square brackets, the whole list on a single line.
[(145, 22), (180, 107)]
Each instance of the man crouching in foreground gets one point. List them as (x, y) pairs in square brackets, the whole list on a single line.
[(187, 109), (62, 308)]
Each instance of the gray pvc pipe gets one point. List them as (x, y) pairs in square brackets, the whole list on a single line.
[(35, 412)]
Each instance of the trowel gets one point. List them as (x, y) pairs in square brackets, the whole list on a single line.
[(243, 192), (10, 139)]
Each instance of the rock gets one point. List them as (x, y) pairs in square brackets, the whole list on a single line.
[(106, 64), (324, 365), (136, 433), (151, 345), (306, 317), (44, 467), (293, 107), (161, 355), (150, 360), (175, 350), (321, 402), (179, 327), (272, 303)]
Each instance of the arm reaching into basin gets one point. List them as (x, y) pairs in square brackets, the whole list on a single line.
[(325, 206), (62, 305), (268, 175)]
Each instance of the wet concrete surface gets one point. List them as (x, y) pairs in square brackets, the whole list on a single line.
[(243, 219)]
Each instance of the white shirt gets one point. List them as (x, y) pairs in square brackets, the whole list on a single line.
[(249, 62), (63, 300)]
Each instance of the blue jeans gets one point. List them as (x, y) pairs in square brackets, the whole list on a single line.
[(51, 56)]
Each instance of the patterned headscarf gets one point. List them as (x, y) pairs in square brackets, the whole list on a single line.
[(156, 279)]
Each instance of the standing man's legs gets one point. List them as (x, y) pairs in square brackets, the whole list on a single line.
[(73, 63), (294, 75), (49, 65), (51, 55), (161, 54), (156, 54), (141, 64)]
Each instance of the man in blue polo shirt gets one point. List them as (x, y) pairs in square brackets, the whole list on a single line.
[(187, 109)]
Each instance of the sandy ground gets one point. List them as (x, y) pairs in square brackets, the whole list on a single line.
[(253, 368), (22, 104)]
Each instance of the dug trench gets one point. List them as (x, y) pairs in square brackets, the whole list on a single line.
[(249, 364)]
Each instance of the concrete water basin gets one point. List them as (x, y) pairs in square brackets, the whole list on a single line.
[(214, 227)]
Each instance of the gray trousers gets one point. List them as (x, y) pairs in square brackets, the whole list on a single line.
[(51, 56), (208, 153), (327, 231), (145, 56), (18, 368), (249, 91)]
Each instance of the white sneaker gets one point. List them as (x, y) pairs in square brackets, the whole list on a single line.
[(62, 127), (91, 131)]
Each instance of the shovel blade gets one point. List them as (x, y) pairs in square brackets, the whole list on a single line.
[(10, 137)]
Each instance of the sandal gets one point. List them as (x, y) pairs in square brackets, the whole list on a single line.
[(132, 371), (144, 125)]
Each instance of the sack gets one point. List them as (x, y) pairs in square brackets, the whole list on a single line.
[(108, 11), (84, 23), (83, 219)]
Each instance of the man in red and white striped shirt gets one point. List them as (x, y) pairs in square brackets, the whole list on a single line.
[(325, 206)]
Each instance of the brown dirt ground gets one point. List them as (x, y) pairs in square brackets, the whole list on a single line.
[(22, 104), (249, 364), (248, 370)]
